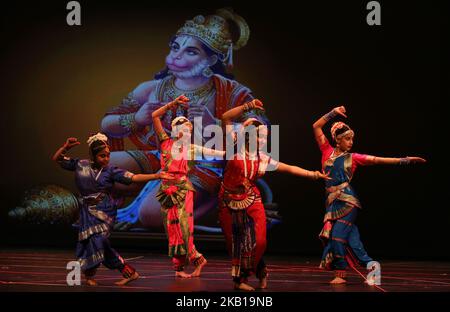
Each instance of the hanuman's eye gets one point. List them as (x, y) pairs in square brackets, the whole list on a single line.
[(192, 52)]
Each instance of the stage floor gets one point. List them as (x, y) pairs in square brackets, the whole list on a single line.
[(45, 270)]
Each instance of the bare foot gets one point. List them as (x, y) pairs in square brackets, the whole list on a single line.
[(263, 282), (182, 274), (338, 280), (125, 281), (198, 269), (243, 286), (91, 282)]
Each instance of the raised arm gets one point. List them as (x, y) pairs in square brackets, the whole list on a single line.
[(238, 111), (61, 152), (156, 115), (318, 125), (295, 170)]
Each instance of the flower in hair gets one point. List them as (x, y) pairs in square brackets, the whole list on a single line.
[(97, 137)]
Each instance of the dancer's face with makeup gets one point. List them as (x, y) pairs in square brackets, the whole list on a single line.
[(102, 157), (345, 143), (262, 136), (185, 131)]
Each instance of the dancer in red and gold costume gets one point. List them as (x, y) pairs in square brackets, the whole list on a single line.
[(241, 211), (177, 196)]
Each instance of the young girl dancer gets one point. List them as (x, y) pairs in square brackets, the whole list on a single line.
[(340, 235), (94, 179), (177, 196), (241, 211)]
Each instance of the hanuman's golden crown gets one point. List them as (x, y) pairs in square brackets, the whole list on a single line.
[(214, 31)]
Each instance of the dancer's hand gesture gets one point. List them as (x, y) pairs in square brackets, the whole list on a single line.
[(71, 142), (415, 160), (181, 100), (321, 175), (166, 176), (254, 104), (340, 110)]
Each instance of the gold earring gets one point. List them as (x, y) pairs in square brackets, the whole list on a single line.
[(207, 72)]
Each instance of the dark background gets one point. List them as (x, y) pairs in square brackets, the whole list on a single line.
[(301, 61)]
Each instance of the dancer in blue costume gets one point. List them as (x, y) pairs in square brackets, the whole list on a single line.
[(340, 234), (94, 179)]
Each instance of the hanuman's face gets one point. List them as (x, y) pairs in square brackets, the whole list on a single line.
[(185, 53)]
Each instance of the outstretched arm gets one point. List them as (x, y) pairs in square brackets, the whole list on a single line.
[(154, 176), (318, 125), (60, 153), (373, 160), (315, 175), (209, 151), (156, 115)]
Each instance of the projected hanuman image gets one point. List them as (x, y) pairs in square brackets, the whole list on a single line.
[(198, 66)]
